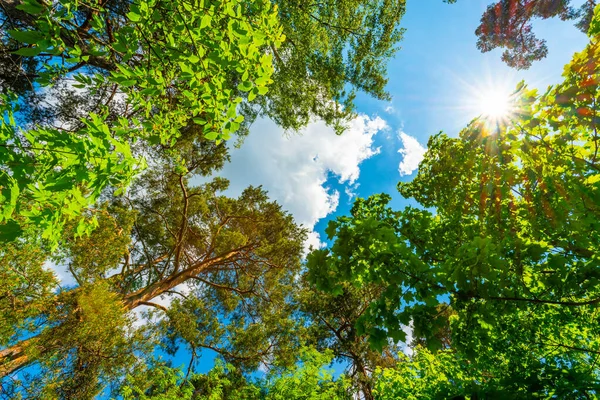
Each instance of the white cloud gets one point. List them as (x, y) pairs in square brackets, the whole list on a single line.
[(62, 273), (408, 330), (294, 169), (389, 109), (350, 191), (412, 154)]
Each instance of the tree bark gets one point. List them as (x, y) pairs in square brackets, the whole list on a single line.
[(14, 357)]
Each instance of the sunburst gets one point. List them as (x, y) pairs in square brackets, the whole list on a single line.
[(496, 104)]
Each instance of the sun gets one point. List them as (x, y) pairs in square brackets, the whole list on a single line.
[(495, 104), (492, 97)]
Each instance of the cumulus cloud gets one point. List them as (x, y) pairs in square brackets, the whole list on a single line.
[(412, 154), (294, 169)]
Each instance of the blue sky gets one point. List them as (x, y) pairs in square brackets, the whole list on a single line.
[(433, 79), (436, 73)]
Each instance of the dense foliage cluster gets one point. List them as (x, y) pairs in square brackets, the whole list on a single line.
[(114, 121), (507, 24), (501, 278)]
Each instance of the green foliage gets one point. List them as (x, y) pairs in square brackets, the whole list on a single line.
[(90, 342), (26, 289), (157, 382), (50, 176), (308, 380), (496, 276), (512, 245), (175, 64), (449, 374), (330, 324), (332, 49), (173, 61), (439, 375), (90, 258)]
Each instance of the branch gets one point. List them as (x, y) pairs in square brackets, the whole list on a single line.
[(155, 305), (538, 301)]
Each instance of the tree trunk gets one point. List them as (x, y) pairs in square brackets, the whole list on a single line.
[(15, 357)]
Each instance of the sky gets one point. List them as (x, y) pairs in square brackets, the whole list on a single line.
[(435, 79)]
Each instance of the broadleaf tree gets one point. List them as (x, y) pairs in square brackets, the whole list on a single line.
[(507, 24), (503, 250)]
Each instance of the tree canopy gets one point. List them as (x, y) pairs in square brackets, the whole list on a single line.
[(507, 24), (502, 254), (85, 84), (110, 111), (115, 117)]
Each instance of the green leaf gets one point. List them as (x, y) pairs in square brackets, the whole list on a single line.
[(205, 21), (120, 47), (211, 135), (331, 229), (10, 231), (29, 37), (31, 7), (133, 16), (245, 86), (28, 51)]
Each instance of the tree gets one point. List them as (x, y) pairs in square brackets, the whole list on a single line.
[(332, 50), (308, 379), (331, 323), (507, 24), (235, 258), (511, 245)]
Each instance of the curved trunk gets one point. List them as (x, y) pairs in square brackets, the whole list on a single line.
[(15, 357)]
